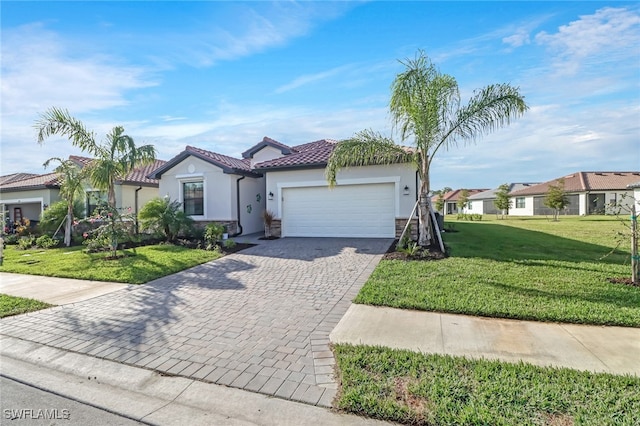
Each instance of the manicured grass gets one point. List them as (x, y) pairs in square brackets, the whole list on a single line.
[(140, 265), (531, 269), (415, 388), (11, 305)]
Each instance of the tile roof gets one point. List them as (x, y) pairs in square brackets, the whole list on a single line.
[(454, 195), (309, 154), (267, 141), (137, 176), (47, 180), (220, 159), (15, 177), (491, 194), (585, 182)]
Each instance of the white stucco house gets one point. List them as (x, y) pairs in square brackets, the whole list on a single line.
[(27, 195), (370, 201), (484, 202), (588, 193)]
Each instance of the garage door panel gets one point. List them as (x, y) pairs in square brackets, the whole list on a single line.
[(343, 211)]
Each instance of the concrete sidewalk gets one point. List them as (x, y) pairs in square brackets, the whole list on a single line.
[(56, 291), (592, 348), (149, 397)]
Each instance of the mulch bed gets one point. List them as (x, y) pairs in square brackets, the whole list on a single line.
[(431, 252)]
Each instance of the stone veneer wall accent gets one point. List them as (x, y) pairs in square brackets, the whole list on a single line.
[(232, 225), (276, 228), (400, 223)]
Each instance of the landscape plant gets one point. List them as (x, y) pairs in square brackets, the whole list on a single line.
[(71, 178), (164, 217), (556, 198), (56, 214), (503, 202), (425, 105), (113, 228), (213, 234), (267, 218)]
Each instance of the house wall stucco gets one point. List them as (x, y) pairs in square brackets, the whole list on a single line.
[(30, 202), (401, 174), (265, 154)]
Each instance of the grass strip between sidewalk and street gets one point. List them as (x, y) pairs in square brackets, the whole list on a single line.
[(529, 269), (414, 388), (12, 305), (138, 266)]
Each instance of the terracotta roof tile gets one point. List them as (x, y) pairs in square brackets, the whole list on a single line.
[(36, 181), (223, 160), (139, 174), (15, 177), (455, 194), (309, 154), (585, 181)]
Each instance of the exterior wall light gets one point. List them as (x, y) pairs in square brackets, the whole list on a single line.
[(270, 195), (406, 190)]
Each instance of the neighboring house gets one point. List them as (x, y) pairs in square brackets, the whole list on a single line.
[(133, 191), (451, 201), (588, 193), (484, 202), (369, 201), (26, 195)]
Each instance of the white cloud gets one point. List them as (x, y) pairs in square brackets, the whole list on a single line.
[(312, 78), (518, 39), (606, 37)]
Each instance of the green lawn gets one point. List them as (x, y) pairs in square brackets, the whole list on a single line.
[(11, 305), (138, 266), (415, 388), (529, 268)]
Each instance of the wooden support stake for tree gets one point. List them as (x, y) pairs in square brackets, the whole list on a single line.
[(406, 226), (634, 245), (437, 226)]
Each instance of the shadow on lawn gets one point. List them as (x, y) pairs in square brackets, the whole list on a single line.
[(507, 243)]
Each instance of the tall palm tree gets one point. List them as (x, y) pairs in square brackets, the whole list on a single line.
[(70, 177), (114, 158), (425, 104)]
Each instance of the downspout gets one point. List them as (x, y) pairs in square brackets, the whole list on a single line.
[(136, 208), (239, 230)]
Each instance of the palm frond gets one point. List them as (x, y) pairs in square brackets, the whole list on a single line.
[(366, 148), (57, 121)]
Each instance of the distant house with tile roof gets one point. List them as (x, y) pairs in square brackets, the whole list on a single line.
[(484, 202), (451, 200), (288, 181), (588, 193), (26, 195)]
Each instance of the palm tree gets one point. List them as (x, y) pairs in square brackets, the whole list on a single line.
[(70, 177), (114, 158), (425, 104)]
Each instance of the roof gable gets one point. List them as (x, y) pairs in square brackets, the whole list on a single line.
[(266, 141), (312, 154), (228, 164)]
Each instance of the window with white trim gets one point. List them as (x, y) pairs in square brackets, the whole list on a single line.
[(94, 200), (193, 198), (520, 203)]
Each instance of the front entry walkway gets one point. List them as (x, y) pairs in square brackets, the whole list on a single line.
[(257, 320)]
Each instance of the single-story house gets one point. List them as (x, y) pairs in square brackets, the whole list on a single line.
[(588, 193), (636, 194), (290, 182), (26, 195), (451, 200), (484, 202)]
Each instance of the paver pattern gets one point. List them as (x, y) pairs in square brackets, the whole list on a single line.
[(257, 320)]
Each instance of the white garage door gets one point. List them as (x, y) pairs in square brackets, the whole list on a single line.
[(343, 211)]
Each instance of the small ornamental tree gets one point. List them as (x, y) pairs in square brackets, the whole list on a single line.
[(463, 200), (440, 201), (556, 198), (503, 202)]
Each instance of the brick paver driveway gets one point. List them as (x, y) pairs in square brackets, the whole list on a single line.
[(257, 320)]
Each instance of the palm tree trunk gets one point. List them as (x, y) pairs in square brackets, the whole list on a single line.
[(424, 218)]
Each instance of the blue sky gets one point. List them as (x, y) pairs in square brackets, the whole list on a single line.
[(221, 75)]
